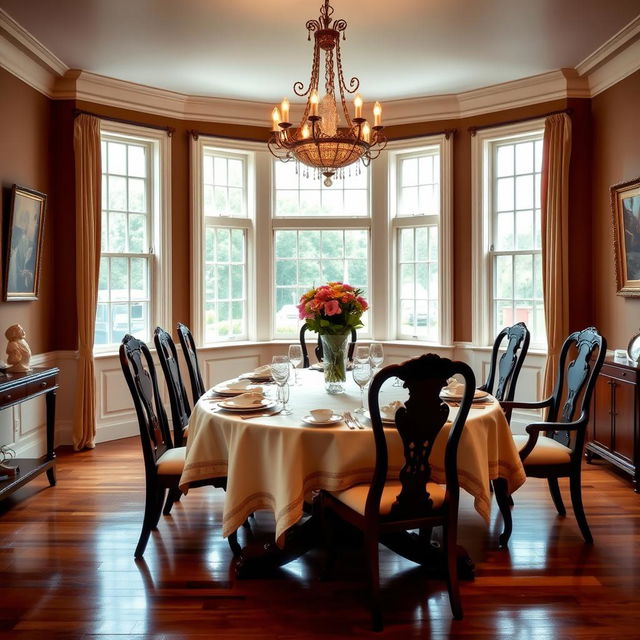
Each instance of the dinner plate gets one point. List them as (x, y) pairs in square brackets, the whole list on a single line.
[(223, 390), (334, 419), (228, 405), (384, 420), (255, 377), (478, 396)]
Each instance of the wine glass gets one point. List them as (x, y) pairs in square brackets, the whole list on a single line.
[(376, 353), (295, 358), (361, 354), (280, 373), (361, 375)]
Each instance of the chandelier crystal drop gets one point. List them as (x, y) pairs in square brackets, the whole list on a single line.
[(327, 138)]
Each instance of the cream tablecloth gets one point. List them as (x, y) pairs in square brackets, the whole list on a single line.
[(275, 462)]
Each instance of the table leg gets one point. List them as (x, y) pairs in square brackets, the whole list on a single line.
[(504, 503), (429, 554), (51, 421), (260, 558)]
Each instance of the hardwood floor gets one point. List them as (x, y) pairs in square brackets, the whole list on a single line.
[(67, 568)]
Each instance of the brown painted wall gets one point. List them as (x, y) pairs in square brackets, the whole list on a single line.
[(37, 151), (615, 158), (579, 209), (25, 147)]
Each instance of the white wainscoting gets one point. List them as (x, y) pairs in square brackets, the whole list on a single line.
[(24, 425)]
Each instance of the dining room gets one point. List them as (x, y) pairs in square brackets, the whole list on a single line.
[(319, 309)]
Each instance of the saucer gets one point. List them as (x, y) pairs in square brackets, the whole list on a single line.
[(223, 389), (334, 419)]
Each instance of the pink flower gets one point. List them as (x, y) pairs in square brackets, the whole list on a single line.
[(362, 302), (331, 308)]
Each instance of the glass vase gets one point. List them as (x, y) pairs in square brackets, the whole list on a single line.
[(334, 360)]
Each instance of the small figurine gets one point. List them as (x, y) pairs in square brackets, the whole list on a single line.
[(18, 352)]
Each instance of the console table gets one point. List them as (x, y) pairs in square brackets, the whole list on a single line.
[(20, 387), (614, 429)]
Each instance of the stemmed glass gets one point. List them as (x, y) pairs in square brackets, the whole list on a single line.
[(295, 358), (361, 375), (376, 353), (280, 373), (361, 354)]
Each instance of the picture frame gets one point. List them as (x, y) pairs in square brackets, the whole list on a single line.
[(24, 238), (625, 210)]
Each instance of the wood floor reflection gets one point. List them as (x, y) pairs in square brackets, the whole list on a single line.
[(67, 569)]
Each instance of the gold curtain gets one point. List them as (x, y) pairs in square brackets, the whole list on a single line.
[(86, 142), (555, 230)]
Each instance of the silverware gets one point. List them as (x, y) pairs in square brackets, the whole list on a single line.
[(248, 416), (352, 423)]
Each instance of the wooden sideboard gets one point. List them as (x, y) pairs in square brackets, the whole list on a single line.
[(20, 387), (614, 428)]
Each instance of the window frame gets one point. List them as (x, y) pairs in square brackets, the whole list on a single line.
[(397, 151), (247, 222), (319, 222), (159, 253), (483, 223)]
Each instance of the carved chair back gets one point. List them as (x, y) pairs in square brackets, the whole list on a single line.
[(318, 347), (180, 409), (140, 374), (191, 357), (419, 422), (504, 373), (575, 381)]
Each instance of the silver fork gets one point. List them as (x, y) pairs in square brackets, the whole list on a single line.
[(352, 423)]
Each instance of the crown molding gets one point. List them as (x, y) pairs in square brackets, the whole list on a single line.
[(613, 71), (23, 56)]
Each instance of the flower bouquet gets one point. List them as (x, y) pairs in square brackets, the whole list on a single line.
[(333, 310)]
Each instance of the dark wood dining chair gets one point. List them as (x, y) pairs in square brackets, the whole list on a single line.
[(163, 462), (191, 357), (504, 373), (318, 347), (553, 449), (180, 409), (412, 501)]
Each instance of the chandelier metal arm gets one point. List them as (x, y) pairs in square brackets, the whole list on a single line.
[(321, 141)]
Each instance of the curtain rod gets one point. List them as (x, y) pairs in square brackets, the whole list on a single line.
[(474, 130), (196, 134), (170, 130), (446, 132)]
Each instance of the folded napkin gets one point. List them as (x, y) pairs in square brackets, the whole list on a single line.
[(454, 387), (388, 412), (237, 385), (249, 399), (264, 370)]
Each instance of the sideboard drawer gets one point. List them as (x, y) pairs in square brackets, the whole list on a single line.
[(13, 395), (41, 385)]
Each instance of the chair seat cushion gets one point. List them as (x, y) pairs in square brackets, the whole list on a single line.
[(355, 497), (547, 451), (171, 462)]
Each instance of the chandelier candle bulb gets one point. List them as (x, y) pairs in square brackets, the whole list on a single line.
[(275, 116), (313, 103), (377, 115), (357, 103), (366, 132), (284, 109), (305, 131)]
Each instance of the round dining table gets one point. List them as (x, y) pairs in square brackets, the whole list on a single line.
[(276, 462)]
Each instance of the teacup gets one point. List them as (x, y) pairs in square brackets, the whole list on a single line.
[(321, 415)]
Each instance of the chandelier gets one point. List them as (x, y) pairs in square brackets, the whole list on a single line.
[(328, 138)]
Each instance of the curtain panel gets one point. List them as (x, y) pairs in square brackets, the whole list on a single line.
[(86, 141), (555, 230)]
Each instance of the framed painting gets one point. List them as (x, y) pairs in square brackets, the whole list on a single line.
[(625, 208), (24, 244)]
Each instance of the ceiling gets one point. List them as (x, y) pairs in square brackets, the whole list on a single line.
[(246, 49)]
